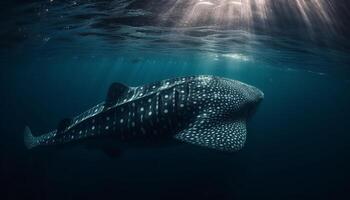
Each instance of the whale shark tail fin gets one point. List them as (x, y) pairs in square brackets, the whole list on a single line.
[(29, 140)]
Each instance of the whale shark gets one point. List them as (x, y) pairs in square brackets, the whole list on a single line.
[(206, 111)]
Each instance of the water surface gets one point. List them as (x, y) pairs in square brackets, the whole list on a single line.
[(58, 59)]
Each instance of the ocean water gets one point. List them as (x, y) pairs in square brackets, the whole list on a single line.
[(58, 59)]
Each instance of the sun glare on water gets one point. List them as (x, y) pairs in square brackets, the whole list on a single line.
[(247, 12)]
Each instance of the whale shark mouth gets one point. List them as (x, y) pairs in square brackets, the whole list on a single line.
[(217, 133)]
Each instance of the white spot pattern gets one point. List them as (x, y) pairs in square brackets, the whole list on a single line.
[(215, 107)]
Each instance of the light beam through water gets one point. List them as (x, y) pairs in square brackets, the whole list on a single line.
[(249, 14)]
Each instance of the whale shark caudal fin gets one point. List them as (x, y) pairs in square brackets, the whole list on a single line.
[(115, 92), (216, 133), (29, 140)]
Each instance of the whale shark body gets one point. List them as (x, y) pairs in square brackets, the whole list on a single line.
[(207, 111)]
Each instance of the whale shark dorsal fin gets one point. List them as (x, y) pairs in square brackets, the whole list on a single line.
[(115, 92), (216, 133), (63, 124)]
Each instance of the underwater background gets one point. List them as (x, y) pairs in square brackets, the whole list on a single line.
[(58, 59)]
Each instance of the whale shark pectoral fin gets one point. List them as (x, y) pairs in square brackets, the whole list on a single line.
[(115, 92), (216, 133)]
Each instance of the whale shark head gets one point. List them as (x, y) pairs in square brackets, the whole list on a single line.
[(249, 97), (225, 108)]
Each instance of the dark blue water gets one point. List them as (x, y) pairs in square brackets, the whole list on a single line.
[(58, 59)]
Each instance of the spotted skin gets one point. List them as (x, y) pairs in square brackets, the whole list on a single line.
[(206, 111)]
